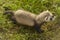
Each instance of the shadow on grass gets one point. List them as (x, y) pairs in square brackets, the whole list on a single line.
[(23, 29)]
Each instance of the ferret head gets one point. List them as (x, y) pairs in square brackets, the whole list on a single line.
[(46, 16), (49, 16)]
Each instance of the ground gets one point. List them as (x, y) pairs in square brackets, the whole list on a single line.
[(10, 31)]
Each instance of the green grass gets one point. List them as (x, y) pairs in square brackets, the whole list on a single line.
[(10, 31)]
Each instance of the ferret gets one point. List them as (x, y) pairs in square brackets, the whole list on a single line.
[(30, 19)]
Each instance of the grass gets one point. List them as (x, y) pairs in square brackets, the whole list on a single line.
[(10, 31)]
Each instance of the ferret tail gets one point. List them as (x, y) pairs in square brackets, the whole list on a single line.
[(8, 11)]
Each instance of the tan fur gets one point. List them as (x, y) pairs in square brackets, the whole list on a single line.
[(24, 17)]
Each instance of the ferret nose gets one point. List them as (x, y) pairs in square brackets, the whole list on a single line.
[(50, 18)]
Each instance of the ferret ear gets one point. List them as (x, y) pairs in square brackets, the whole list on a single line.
[(47, 10)]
